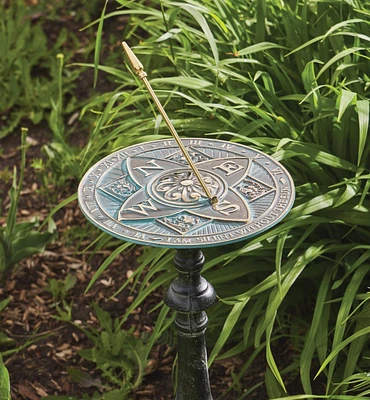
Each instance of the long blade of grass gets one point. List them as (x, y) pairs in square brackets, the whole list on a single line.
[(106, 263), (337, 57), (346, 305), (144, 293), (278, 259), (98, 44), (309, 346), (159, 325), (197, 15), (346, 98), (355, 348), (227, 328), (363, 122), (341, 346), (269, 356), (62, 204), (15, 191)]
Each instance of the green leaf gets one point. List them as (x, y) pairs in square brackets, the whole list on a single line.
[(83, 378), (62, 204), (159, 327), (341, 346), (33, 243), (230, 322), (343, 24), (272, 386), (4, 303), (363, 122), (278, 259), (345, 307), (349, 192), (106, 263), (6, 341), (309, 345), (269, 356), (346, 98), (337, 57), (255, 48), (186, 82), (4, 382), (197, 15), (98, 43)]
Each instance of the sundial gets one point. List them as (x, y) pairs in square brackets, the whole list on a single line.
[(186, 194), (148, 194)]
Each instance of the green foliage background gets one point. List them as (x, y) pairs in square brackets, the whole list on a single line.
[(291, 79)]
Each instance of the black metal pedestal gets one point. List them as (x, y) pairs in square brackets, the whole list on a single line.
[(189, 295)]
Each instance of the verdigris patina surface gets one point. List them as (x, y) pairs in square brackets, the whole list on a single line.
[(148, 194)]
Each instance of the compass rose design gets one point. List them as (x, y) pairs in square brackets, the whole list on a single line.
[(147, 194), (184, 188), (166, 187)]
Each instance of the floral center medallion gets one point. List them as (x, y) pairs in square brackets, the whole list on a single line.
[(181, 188)]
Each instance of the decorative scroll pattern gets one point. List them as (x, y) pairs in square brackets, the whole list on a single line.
[(253, 189), (183, 187), (121, 188), (183, 222)]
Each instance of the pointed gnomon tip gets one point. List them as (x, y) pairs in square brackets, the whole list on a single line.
[(134, 61), (126, 47)]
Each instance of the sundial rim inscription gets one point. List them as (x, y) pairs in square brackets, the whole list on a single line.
[(257, 184)]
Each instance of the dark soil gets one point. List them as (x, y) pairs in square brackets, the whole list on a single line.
[(48, 346)]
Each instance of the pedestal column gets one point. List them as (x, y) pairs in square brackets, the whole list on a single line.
[(189, 295)]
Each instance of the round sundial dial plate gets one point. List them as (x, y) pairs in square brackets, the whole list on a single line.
[(148, 194)]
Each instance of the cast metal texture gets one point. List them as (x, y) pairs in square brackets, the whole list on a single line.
[(148, 194), (189, 295)]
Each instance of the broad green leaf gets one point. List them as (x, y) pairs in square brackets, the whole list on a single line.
[(83, 378), (296, 149), (363, 122), (4, 382), (272, 386), (346, 99)]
